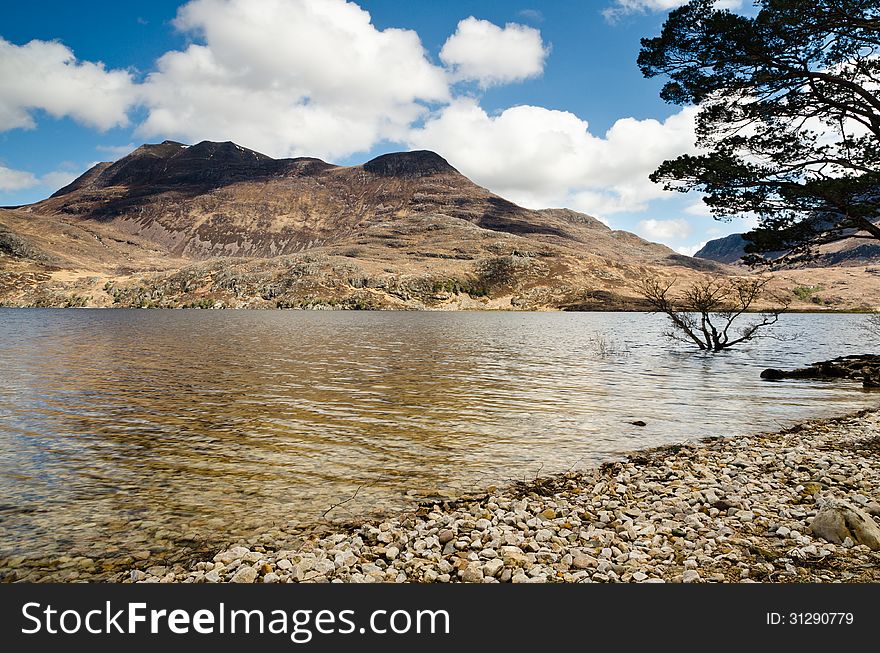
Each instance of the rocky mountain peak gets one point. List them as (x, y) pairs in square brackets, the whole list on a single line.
[(226, 152), (171, 164), (420, 163)]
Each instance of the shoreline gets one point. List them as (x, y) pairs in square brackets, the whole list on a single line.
[(470, 309), (717, 510)]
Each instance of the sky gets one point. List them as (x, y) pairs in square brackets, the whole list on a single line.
[(541, 102)]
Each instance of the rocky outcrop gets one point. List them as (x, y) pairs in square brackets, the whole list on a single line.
[(420, 163), (864, 368), (15, 246)]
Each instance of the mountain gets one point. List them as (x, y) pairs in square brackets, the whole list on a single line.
[(729, 249), (217, 224), (220, 199), (845, 251)]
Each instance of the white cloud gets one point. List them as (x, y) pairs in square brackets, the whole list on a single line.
[(13, 180), (290, 77), (483, 52), (666, 231), (58, 179), (690, 250), (316, 77), (117, 151), (624, 7), (699, 208), (44, 75), (534, 15), (540, 157), (16, 180)]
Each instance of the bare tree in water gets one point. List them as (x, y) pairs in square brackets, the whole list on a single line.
[(705, 312), (872, 325)]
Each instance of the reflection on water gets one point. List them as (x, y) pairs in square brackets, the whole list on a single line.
[(128, 431)]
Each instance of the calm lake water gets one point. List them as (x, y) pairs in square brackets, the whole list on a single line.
[(128, 431)]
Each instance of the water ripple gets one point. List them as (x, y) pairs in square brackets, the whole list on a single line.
[(121, 430)]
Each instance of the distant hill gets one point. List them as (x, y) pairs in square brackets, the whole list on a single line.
[(846, 251), (729, 249)]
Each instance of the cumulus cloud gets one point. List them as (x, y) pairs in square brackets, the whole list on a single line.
[(699, 208), (540, 157), (316, 77), (690, 250), (16, 180), (116, 151), (44, 75), (622, 8), (483, 52), (290, 77), (13, 180), (666, 230), (58, 178)]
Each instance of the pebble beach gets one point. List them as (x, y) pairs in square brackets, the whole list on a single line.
[(798, 505)]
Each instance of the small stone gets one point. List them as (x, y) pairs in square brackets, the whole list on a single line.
[(392, 552), (493, 567), (270, 578), (543, 535), (235, 553), (297, 573), (581, 560), (473, 573), (324, 567), (245, 574), (445, 536), (690, 576)]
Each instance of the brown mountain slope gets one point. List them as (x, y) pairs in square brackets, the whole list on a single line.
[(217, 224), (219, 199)]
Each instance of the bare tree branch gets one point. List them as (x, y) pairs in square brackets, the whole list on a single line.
[(707, 310)]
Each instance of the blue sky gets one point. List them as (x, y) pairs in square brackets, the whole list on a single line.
[(518, 95)]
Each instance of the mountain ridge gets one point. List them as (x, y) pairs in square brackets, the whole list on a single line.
[(843, 251), (218, 225)]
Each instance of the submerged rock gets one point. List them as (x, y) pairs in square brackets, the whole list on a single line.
[(864, 368)]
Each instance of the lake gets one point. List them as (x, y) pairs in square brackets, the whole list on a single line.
[(126, 431)]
